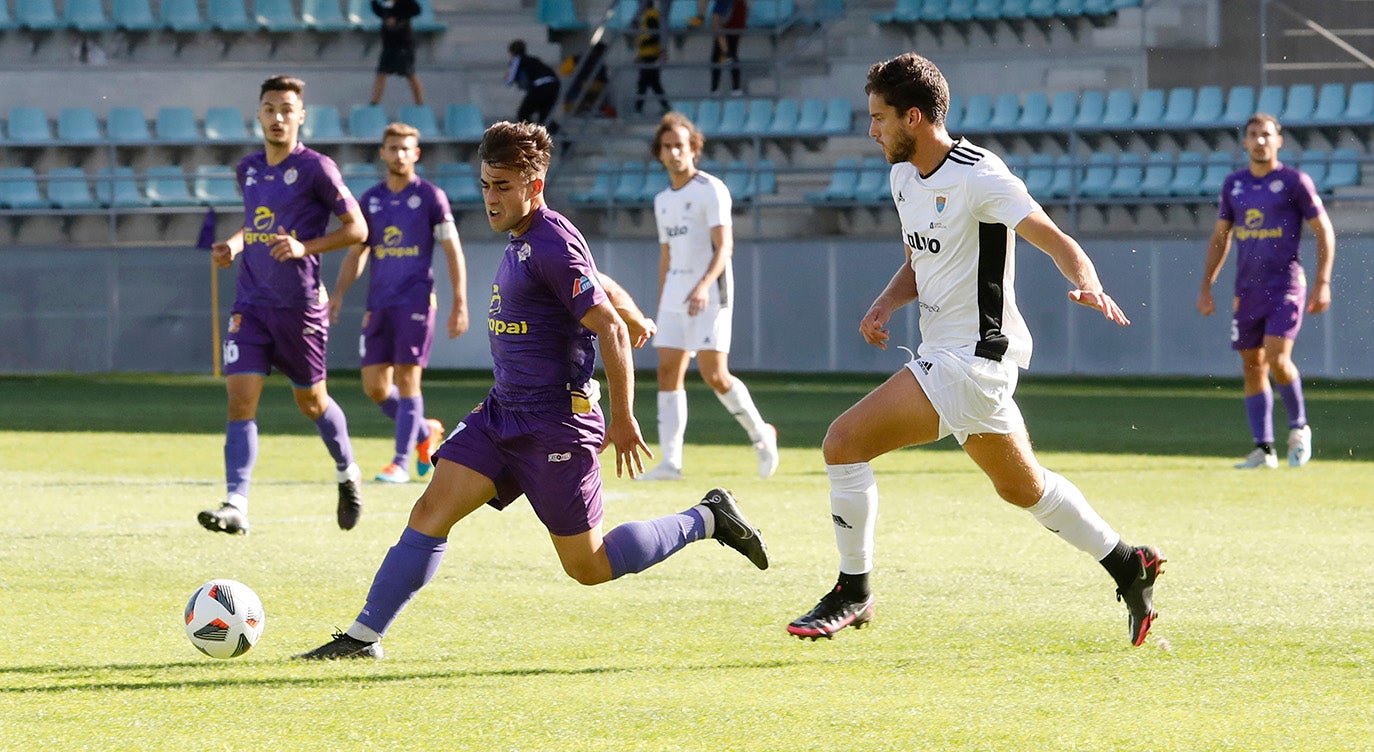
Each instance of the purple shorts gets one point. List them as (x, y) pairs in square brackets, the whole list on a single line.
[(293, 340), (549, 456), (1266, 313), (398, 335)]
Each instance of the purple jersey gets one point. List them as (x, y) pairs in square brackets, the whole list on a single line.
[(400, 231), (299, 195), (545, 284), (1267, 214)]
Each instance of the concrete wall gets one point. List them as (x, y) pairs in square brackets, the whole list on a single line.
[(93, 310)]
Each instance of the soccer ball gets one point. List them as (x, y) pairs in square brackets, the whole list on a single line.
[(224, 618)]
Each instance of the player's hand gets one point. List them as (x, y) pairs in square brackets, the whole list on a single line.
[(457, 322), (1320, 298), (223, 255), (335, 305), (1102, 302), (1206, 305), (285, 247), (873, 327), (641, 330), (696, 302), (624, 434)]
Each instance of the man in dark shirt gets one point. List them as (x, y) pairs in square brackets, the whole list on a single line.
[(536, 79), (398, 46)]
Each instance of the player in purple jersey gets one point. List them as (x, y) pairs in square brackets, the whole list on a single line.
[(280, 317), (539, 431), (1263, 207), (406, 217)]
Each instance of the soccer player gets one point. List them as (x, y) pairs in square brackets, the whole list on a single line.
[(406, 217), (280, 316), (540, 429), (696, 291), (959, 207), (1271, 201)]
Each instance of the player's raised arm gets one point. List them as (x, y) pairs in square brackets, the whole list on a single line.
[(1073, 263)]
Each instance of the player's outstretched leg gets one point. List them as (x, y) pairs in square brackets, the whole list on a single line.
[(849, 604), (1139, 593), (426, 447), (342, 647), (733, 530)]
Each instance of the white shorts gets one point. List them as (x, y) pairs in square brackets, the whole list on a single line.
[(708, 330), (971, 394)]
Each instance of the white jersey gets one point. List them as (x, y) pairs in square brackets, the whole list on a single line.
[(685, 217), (958, 223)]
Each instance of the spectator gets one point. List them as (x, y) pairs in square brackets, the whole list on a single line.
[(727, 18), (649, 55), (536, 79), (398, 46)]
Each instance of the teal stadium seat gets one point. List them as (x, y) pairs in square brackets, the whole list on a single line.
[(1359, 110), (1208, 107), (679, 12), (1331, 104), (1219, 164), (1063, 110), (463, 122), (1039, 174), (655, 180), (977, 114), (1344, 169), (1126, 179), (28, 126), (875, 185), (1149, 110), (558, 15), (839, 116), (323, 124), (1041, 10), (359, 15), (226, 125), (624, 15), (37, 15), (783, 123), (86, 16), (770, 14), (1120, 110), (1240, 105), (738, 179), (276, 16), (117, 188), (458, 181), (959, 11), (603, 181), (426, 22), (323, 16), (422, 118), (1159, 174), (182, 17), (1065, 174), (629, 183), (1299, 105), (19, 189), (216, 185), (1091, 108), (1270, 100), (955, 114), (133, 15), (228, 16), (765, 178), (903, 12), (366, 122), (1006, 109), (686, 108), (1097, 175), (732, 117), (1187, 178), (78, 126), (758, 118), (1035, 112), (6, 20), (360, 176), (167, 187), (69, 189), (844, 178), (176, 125), (1315, 163), (708, 115), (811, 120)]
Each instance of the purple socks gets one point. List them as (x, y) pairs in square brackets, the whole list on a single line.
[(1259, 408), (1294, 403), (407, 567), (635, 546), (240, 453), (410, 416), (333, 427)]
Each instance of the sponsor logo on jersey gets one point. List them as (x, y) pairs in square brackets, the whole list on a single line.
[(391, 239), (925, 366), (499, 326), (676, 231), (582, 284), (264, 222), (560, 456), (919, 243), (1254, 228)]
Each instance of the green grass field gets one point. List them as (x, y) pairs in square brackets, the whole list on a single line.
[(991, 634)]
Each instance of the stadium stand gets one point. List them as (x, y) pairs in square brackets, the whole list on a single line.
[(19, 189), (69, 190), (117, 188), (166, 187), (420, 116), (28, 126), (366, 122), (78, 126), (215, 185), (323, 124)]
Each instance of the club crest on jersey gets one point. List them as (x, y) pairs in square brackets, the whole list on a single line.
[(581, 284), (940, 202), (1275, 186), (290, 177), (235, 322), (413, 202), (523, 252)]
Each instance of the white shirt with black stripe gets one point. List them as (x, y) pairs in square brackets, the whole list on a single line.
[(685, 217), (958, 223)]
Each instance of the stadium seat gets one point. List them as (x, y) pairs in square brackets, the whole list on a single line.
[(322, 123), (1187, 178), (126, 125), (765, 177), (167, 187), (629, 183), (954, 116), (176, 125), (276, 16), (422, 117), (624, 15), (708, 115), (1219, 164), (225, 124), (1149, 110), (786, 113), (132, 15), (1178, 109), (1120, 110), (811, 121), (1331, 104), (875, 185), (843, 180), (686, 108), (323, 16), (738, 179), (977, 115), (1129, 173), (78, 126), (359, 15), (28, 126), (228, 16), (69, 188), (366, 122), (463, 122), (1035, 112), (458, 180), (732, 116), (1359, 110), (1240, 105), (1208, 106), (1315, 163), (37, 15), (839, 116), (1039, 174), (181, 16), (1006, 110), (426, 22), (1299, 105), (360, 176), (679, 12), (1065, 175), (770, 14), (600, 190), (19, 189), (903, 11), (118, 188), (86, 16), (1091, 107), (1097, 175), (216, 185), (759, 116), (1016, 165), (1159, 173), (1063, 110), (1344, 169), (1270, 100), (558, 15), (655, 180)]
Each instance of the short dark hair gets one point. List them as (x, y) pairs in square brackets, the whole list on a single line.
[(673, 120), (520, 146), (282, 83), (517, 47), (908, 81), (1264, 117)]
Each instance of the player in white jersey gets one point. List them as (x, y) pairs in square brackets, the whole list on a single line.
[(960, 210), (696, 284)]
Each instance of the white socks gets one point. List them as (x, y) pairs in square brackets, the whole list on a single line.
[(672, 427), (1064, 511), (854, 510), (741, 405)]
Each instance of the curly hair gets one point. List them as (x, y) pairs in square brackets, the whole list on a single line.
[(908, 81), (673, 120)]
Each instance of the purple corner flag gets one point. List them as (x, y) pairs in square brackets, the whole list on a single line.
[(206, 241)]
